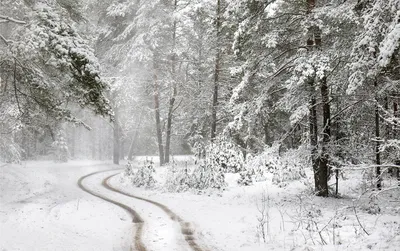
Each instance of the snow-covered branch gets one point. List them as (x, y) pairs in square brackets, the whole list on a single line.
[(2, 38), (364, 167), (5, 19)]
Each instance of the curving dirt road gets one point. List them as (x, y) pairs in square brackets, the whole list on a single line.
[(185, 229)]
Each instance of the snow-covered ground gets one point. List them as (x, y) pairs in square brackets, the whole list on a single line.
[(294, 218), (42, 208)]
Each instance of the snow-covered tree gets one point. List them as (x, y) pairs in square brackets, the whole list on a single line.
[(47, 64)]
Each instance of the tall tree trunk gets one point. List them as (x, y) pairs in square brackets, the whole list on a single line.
[(313, 125), (216, 73), (100, 148), (169, 125), (322, 189), (157, 116), (93, 139), (377, 138), (387, 125), (338, 137), (174, 92), (73, 136), (121, 145), (266, 133), (116, 141), (319, 163), (396, 115), (134, 139)]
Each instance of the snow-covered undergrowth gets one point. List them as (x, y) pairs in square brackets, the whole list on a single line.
[(143, 176), (176, 177), (194, 174), (284, 167), (267, 215)]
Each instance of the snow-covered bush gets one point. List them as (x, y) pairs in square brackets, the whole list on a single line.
[(10, 152), (246, 177), (263, 163), (224, 155), (219, 158), (204, 176), (372, 207), (59, 148), (198, 148), (143, 176), (129, 172), (178, 179), (284, 167), (290, 166), (207, 175)]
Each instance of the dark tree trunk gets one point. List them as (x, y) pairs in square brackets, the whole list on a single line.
[(53, 137), (314, 135), (158, 120), (35, 142), (323, 173), (377, 138), (169, 125), (173, 94), (116, 141), (266, 134), (396, 114), (387, 125), (25, 146), (338, 137), (319, 163), (216, 73)]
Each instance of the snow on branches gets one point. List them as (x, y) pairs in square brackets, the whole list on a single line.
[(61, 60)]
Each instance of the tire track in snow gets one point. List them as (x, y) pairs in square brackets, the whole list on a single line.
[(186, 230), (136, 219)]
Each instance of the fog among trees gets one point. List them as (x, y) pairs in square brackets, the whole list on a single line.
[(118, 79)]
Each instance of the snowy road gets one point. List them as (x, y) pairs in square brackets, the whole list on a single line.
[(42, 209), (136, 219), (156, 227)]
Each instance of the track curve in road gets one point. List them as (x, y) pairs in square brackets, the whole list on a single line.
[(186, 230), (136, 219)]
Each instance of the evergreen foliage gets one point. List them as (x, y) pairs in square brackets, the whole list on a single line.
[(254, 87), (143, 176)]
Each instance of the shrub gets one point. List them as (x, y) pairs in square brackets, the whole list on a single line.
[(246, 177), (10, 152), (207, 176), (143, 176), (284, 167), (59, 148), (178, 179)]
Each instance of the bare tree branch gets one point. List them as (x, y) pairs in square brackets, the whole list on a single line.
[(5, 19), (4, 39)]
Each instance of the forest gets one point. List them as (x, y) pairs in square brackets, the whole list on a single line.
[(301, 90)]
